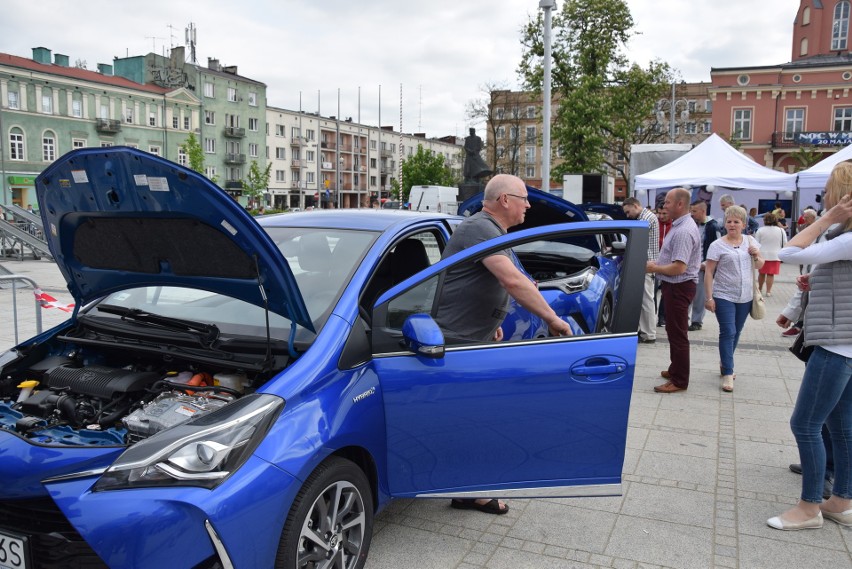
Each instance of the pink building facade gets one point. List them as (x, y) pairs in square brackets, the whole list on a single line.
[(774, 111)]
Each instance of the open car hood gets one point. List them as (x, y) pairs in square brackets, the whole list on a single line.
[(117, 218), (545, 209)]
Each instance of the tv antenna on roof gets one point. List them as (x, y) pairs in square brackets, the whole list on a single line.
[(154, 42)]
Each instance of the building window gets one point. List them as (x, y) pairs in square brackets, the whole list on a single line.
[(708, 106), (107, 144), (843, 119), (689, 128), (187, 123), (530, 134), (803, 46), (501, 132), (77, 108), (373, 163), (48, 147), (279, 176), (311, 135), (530, 172), (152, 119), (806, 16), (310, 177), (252, 99), (210, 145), (499, 113), (279, 153), (253, 149), (78, 143), (16, 144), (253, 125), (279, 130), (794, 123), (128, 115), (310, 155), (154, 150), (12, 99), (47, 102), (514, 133), (840, 27), (182, 157), (232, 94), (531, 112), (707, 127), (209, 117), (104, 114), (210, 172), (690, 106), (529, 154), (175, 122), (208, 89), (742, 124)]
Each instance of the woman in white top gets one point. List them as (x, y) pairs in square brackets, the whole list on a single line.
[(772, 239), (728, 286), (825, 394)]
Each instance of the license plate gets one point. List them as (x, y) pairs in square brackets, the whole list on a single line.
[(14, 551)]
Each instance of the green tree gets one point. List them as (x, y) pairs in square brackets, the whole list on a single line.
[(604, 102), (807, 156), (195, 154), (256, 182), (425, 167)]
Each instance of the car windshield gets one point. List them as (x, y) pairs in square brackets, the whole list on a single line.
[(322, 261)]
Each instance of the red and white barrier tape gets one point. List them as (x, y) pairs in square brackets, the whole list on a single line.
[(47, 301)]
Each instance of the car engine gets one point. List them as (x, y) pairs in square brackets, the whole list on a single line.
[(63, 400)]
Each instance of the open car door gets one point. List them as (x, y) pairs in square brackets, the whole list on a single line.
[(527, 418)]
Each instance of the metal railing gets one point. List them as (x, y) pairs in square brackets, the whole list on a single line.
[(14, 280)]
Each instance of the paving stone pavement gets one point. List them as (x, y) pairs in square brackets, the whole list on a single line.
[(703, 471)]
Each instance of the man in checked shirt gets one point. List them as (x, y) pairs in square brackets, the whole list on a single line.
[(634, 210), (678, 265)]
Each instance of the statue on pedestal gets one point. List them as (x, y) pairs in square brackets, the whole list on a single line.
[(474, 166)]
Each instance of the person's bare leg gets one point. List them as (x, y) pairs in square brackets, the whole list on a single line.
[(770, 279), (760, 280)]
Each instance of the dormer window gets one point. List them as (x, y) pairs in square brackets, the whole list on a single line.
[(840, 26)]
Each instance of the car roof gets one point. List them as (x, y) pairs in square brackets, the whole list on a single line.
[(362, 219)]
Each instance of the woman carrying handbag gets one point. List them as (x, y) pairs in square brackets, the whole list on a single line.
[(825, 395), (728, 284)]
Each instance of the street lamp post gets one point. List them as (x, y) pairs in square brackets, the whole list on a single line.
[(547, 6), (673, 103)]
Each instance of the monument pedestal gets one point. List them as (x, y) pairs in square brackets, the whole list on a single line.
[(468, 189)]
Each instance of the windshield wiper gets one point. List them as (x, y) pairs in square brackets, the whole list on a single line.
[(207, 333)]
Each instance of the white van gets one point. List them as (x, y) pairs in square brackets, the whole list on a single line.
[(441, 199)]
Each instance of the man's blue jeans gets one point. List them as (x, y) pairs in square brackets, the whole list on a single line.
[(731, 317), (824, 397)]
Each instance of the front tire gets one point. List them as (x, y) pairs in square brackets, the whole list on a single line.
[(330, 524)]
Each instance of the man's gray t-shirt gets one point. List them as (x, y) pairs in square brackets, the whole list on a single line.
[(473, 304)]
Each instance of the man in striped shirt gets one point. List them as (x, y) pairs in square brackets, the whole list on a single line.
[(678, 265), (634, 210)]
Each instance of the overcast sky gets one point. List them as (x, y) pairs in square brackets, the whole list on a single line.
[(442, 51)]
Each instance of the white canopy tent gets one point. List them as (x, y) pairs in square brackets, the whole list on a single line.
[(814, 178), (714, 162)]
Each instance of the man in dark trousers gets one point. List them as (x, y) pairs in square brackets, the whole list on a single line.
[(677, 266)]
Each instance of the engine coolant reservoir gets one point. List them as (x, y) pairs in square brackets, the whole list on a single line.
[(232, 380)]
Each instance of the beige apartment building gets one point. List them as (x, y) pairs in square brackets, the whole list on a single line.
[(514, 132), (333, 162)]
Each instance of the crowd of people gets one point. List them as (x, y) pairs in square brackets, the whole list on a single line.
[(721, 266)]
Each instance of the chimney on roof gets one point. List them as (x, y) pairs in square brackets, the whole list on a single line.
[(388, 128), (178, 56), (420, 135), (213, 64), (41, 55), (61, 60), (105, 69), (232, 69)]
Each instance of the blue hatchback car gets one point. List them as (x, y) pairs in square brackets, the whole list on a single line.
[(247, 393)]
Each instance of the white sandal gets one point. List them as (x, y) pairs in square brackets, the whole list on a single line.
[(727, 383)]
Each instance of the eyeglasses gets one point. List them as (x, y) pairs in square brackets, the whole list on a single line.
[(525, 198)]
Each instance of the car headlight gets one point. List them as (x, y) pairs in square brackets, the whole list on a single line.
[(201, 452), (577, 282)]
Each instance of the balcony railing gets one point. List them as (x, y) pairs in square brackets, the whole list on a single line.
[(235, 158), (327, 166), (234, 132), (811, 138), (233, 184), (386, 152), (108, 125), (297, 141), (297, 163)]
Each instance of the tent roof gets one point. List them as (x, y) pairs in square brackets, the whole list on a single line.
[(815, 177), (715, 162)]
